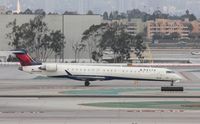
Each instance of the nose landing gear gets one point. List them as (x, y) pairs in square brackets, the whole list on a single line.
[(172, 88)]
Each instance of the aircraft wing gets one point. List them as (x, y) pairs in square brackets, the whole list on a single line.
[(90, 78), (85, 77)]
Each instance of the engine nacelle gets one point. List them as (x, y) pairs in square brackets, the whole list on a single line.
[(49, 68)]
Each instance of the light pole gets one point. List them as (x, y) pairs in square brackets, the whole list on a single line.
[(63, 31)]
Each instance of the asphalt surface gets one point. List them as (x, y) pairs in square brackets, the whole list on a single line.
[(69, 111)]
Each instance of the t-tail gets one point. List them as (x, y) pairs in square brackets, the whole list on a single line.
[(24, 58)]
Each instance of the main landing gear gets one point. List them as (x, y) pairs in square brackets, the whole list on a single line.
[(172, 83), (172, 88), (87, 83)]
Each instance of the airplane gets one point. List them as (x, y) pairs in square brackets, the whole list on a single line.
[(88, 73)]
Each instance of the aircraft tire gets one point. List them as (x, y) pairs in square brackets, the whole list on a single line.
[(87, 83)]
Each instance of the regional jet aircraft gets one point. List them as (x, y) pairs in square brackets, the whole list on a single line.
[(89, 73)]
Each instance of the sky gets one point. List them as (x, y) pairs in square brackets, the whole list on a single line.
[(173, 7)]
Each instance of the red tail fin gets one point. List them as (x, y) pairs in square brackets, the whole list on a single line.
[(24, 58)]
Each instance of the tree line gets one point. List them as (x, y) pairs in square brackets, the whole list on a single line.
[(115, 15), (136, 13), (35, 36), (42, 12), (42, 42), (113, 36)]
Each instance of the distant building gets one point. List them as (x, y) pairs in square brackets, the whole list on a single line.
[(135, 26), (195, 26), (166, 26)]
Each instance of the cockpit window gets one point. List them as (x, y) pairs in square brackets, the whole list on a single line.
[(170, 72)]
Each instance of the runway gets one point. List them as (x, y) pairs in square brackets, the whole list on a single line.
[(101, 117), (28, 99), (68, 111)]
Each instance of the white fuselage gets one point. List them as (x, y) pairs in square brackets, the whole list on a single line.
[(92, 73)]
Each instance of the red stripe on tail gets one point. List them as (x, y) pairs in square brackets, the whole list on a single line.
[(24, 59)]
